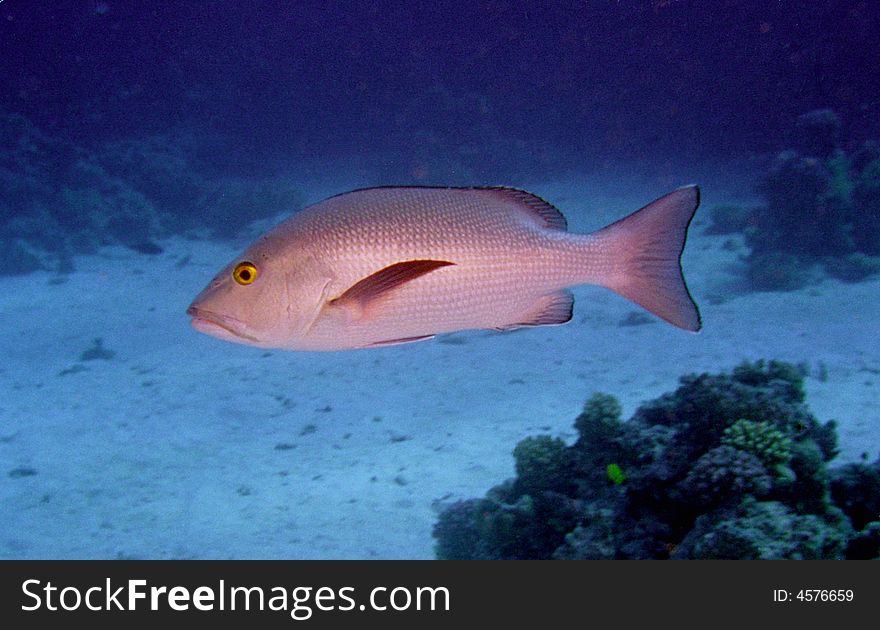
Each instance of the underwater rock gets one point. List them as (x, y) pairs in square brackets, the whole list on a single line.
[(729, 219), (808, 488), (97, 352), (727, 465), (866, 204), (491, 528), (130, 229), (232, 204), (801, 218), (147, 247), (723, 474), (762, 530), (866, 544), (818, 133), (600, 422), (779, 271), (853, 268), (542, 463), (856, 489), (864, 155), (636, 318), (71, 200), (22, 471), (458, 533), (157, 167), (592, 542), (823, 211), (21, 259)]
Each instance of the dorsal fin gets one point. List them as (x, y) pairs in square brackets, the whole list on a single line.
[(546, 213), (377, 284)]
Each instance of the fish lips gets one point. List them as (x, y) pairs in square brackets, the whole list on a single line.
[(217, 325)]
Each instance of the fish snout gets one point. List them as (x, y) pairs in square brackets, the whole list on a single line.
[(217, 325)]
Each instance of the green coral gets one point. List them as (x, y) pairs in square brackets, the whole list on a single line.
[(615, 474), (761, 439)]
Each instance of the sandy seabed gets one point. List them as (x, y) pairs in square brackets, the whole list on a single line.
[(183, 446)]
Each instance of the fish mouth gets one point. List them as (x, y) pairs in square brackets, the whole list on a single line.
[(217, 325)]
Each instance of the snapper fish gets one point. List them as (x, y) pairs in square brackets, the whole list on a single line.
[(390, 265)]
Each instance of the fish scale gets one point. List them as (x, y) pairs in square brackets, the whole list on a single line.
[(394, 264)]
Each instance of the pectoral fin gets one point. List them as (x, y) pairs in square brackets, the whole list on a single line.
[(379, 284)]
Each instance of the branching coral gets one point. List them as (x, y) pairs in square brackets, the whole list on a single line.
[(761, 439)]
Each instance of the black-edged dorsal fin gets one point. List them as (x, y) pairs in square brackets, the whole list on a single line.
[(545, 212)]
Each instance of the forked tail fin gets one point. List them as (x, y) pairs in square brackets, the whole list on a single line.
[(647, 247)]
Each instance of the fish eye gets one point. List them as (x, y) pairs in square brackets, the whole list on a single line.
[(244, 273)]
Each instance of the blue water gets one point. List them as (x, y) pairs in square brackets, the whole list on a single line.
[(143, 145)]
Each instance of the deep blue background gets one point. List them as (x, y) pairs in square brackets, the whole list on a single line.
[(265, 83)]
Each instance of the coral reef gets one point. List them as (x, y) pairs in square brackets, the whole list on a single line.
[(729, 465), (823, 211), (722, 474), (763, 530), (542, 463), (856, 489), (61, 199)]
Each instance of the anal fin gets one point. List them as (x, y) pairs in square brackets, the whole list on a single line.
[(548, 310)]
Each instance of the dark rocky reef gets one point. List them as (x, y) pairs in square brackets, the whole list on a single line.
[(60, 199), (822, 211), (729, 465)]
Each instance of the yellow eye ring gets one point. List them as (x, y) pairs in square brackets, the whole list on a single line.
[(244, 273)]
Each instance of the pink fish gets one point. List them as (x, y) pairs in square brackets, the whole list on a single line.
[(392, 265)]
